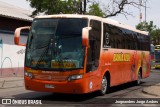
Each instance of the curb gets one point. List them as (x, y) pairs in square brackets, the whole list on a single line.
[(146, 92), (152, 90)]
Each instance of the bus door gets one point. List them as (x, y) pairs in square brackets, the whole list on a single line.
[(93, 55)]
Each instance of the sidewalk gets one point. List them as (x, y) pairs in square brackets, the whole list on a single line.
[(11, 82), (152, 90)]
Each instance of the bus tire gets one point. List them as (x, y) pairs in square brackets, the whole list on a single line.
[(104, 86), (139, 77)]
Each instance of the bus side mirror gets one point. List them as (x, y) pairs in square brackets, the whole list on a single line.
[(85, 36), (17, 34)]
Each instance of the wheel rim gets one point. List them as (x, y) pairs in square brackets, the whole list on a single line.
[(104, 85), (139, 78)]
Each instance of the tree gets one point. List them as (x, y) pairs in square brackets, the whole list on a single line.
[(146, 26), (106, 8), (54, 6), (94, 9), (114, 7), (155, 36)]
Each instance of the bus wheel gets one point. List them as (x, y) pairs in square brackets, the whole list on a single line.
[(104, 86), (139, 78)]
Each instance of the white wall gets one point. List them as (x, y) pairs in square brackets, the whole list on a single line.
[(11, 55)]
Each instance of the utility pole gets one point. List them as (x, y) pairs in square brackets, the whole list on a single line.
[(140, 11), (145, 11)]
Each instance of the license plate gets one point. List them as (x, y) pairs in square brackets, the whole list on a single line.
[(49, 86)]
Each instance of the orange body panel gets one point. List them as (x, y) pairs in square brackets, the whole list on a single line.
[(121, 69)]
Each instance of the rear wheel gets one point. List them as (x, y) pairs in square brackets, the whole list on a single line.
[(104, 85), (139, 78)]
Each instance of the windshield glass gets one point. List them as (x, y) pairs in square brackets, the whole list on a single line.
[(55, 44), (157, 55)]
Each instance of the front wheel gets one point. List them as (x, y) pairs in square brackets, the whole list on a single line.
[(104, 86)]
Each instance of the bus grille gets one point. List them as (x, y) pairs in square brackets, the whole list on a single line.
[(50, 77)]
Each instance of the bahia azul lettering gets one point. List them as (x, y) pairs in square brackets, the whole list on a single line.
[(121, 57)]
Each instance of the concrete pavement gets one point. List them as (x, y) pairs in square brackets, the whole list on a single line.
[(11, 82), (152, 90)]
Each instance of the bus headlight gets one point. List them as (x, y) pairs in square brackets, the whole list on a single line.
[(29, 74), (25, 73), (75, 77)]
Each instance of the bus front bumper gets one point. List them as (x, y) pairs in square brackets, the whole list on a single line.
[(74, 86)]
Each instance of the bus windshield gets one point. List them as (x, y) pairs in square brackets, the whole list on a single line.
[(55, 44)]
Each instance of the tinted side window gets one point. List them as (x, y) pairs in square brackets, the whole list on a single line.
[(112, 37), (120, 38)]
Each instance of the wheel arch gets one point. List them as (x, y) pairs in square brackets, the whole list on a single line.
[(140, 70), (108, 76)]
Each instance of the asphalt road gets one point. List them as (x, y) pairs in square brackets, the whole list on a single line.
[(129, 90)]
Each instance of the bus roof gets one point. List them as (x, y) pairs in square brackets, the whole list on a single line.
[(106, 20)]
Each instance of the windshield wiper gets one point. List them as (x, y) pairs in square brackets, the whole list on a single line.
[(41, 47), (44, 53), (30, 43), (31, 38)]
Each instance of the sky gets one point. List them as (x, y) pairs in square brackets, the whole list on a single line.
[(152, 11)]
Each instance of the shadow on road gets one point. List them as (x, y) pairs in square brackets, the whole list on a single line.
[(122, 87), (73, 98)]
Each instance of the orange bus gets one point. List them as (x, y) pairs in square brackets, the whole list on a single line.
[(82, 53)]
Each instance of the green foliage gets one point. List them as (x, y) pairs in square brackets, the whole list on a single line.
[(155, 33), (155, 36), (146, 26), (94, 9), (54, 6)]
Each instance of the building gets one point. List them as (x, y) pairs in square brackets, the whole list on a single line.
[(12, 56), (12, 17)]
